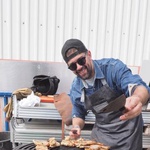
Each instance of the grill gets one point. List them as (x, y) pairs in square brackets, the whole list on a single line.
[(31, 146), (25, 147)]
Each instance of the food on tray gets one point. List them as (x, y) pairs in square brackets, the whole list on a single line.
[(41, 147), (41, 142), (82, 143), (68, 142), (53, 142), (105, 147), (44, 145), (96, 147), (93, 147)]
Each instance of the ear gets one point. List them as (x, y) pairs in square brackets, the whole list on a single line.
[(89, 54)]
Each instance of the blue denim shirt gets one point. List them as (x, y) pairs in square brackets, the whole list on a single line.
[(117, 76)]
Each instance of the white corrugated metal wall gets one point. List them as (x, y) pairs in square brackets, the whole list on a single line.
[(37, 29)]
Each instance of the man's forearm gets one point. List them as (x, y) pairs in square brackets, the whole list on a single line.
[(78, 122), (142, 93)]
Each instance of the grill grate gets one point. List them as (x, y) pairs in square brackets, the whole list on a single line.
[(31, 146), (25, 147)]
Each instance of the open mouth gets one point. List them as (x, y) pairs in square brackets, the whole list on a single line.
[(82, 71)]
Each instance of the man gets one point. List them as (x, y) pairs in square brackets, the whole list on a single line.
[(97, 83)]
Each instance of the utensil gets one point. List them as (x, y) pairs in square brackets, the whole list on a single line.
[(115, 105), (73, 131)]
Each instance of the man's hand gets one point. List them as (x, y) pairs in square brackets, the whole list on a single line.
[(134, 103), (75, 132), (78, 124), (133, 107)]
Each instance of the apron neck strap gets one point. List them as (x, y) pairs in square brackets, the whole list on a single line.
[(103, 81), (83, 90)]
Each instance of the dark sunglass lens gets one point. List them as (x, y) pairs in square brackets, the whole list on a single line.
[(73, 66), (81, 61)]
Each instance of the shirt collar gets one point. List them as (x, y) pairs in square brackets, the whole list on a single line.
[(98, 72)]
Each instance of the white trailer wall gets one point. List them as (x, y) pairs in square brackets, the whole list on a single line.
[(37, 29)]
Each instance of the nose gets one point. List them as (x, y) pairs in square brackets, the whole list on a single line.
[(78, 66)]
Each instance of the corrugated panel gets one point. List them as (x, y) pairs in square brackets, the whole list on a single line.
[(37, 29), (124, 31)]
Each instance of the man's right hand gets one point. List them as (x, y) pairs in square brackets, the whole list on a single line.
[(75, 132)]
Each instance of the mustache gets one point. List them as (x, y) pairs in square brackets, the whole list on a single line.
[(83, 67)]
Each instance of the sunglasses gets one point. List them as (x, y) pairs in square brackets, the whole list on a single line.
[(81, 61)]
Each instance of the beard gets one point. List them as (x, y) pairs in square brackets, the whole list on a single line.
[(87, 72)]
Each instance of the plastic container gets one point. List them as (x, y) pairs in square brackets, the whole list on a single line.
[(5, 143)]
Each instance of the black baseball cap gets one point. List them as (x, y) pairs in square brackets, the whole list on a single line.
[(72, 43)]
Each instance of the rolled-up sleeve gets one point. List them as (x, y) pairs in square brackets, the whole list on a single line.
[(123, 77)]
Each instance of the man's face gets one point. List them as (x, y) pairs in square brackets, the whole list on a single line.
[(82, 66)]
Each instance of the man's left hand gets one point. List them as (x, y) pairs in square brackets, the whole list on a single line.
[(133, 107)]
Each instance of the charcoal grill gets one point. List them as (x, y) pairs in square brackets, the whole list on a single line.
[(31, 146)]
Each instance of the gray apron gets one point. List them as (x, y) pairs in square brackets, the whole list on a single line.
[(108, 128)]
